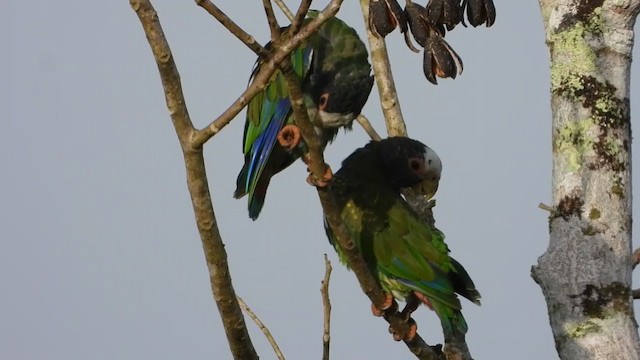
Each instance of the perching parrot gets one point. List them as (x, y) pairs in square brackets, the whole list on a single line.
[(335, 77), (409, 257)]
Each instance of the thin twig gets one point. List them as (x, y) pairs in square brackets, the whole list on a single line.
[(236, 30), (199, 137), (636, 257), (546, 207), (271, 19), (384, 79), (285, 9), (368, 128), (262, 327), (326, 304), (223, 293), (300, 15)]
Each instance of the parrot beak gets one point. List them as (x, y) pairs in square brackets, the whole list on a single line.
[(429, 184), (427, 187)]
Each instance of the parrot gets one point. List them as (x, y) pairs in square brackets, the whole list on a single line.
[(335, 78), (407, 256)]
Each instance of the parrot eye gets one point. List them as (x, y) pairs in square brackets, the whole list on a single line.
[(415, 164), (324, 98)]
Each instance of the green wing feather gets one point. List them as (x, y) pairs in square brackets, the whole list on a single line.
[(415, 254)]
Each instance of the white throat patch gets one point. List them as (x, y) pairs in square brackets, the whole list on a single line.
[(333, 120)]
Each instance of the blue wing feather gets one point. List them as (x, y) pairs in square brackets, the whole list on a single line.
[(262, 147), (274, 114)]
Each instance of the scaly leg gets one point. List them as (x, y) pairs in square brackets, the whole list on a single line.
[(388, 303), (312, 180)]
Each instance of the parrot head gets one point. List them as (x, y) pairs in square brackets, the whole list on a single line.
[(410, 163), (340, 95)]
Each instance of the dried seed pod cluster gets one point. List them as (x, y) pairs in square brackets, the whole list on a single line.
[(428, 26)]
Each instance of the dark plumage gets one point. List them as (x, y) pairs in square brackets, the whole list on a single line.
[(409, 257), (335, 76)]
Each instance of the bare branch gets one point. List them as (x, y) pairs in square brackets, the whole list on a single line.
[(262, 328), (167, 68), (394, 120), (318, 168), (368, 128), (267, 69), (384, 79), (326, 304), (635, 293), (300, 15), (271, 19), (285, 9), (636, 257), (236, 30), (368, 283), (235, 328)]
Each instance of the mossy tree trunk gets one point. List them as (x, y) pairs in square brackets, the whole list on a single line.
[(585, 274)]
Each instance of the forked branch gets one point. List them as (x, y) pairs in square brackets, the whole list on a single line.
[(235, 328), (267, 69), (236, 30)]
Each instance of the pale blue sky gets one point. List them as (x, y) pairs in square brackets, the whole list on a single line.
[(99, 253)]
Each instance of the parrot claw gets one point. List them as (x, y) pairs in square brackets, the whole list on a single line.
[(289, 137), (409, 334), (389, 303), (322, 182)]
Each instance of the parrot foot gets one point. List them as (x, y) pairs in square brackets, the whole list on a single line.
[(389, 303), (321, 182), (289, 137), (413, 302), (409, 334)]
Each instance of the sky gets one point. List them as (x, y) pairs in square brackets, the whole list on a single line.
[(99, 253)]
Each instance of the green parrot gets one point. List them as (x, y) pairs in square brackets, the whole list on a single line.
[(408, 257), (335, 77)]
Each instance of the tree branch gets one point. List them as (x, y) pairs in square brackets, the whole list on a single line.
[(635, 257), (592, 187), (235, 328), (368, 128), (318, 168), (635, 293), (303, 9), (271, 19), (262, 328), (456, 348), (384, 79), (236, 30), (285, 9), (326, 304), (267, 69)]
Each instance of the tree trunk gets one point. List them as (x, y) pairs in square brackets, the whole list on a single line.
[(585, 274)]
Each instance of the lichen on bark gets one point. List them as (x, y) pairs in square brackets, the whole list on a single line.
[(585, 273)]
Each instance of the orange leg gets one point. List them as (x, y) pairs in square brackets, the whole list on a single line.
[(388, 304), (324, 180), (289, 137)]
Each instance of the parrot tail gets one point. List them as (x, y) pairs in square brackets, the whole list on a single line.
[(453, 323), (462, 283), (256, 198)]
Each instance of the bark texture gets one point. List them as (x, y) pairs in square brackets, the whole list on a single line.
[(585, 274)]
